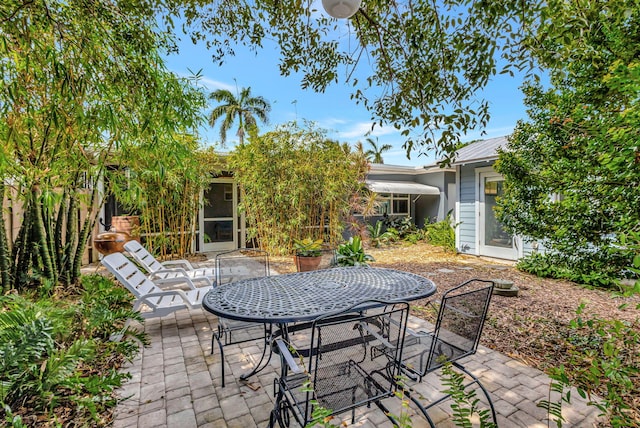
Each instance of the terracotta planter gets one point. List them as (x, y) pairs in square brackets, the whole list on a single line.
[(110, 242), (305, 264)]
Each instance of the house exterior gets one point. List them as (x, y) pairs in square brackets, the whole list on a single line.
[(478, 185), (425, 193)]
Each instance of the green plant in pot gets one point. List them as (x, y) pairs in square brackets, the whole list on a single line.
[(308, 254), (351, 253)]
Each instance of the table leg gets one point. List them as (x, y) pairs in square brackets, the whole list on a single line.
[(267, 344)]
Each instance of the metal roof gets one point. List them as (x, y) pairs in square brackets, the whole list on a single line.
[(479, 151)]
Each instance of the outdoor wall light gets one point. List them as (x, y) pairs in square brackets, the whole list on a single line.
[(341, 8)]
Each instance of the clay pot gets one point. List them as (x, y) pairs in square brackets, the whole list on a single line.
[(110, 242), (306, 264)]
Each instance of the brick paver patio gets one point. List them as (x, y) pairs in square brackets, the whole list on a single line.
[(176, 383)]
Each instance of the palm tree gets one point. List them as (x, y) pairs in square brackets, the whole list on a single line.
[(245, 108), (374, 154)]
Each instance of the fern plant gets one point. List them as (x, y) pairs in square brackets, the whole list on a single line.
[(57, 353)]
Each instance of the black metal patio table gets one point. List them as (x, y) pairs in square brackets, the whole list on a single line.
[(305, 296)]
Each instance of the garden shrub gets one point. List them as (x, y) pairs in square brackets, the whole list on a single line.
[(58, 361), (442, 234), (402, 225), (600, 269)]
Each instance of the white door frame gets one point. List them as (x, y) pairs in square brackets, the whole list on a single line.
[(483, 249), (219, 246)]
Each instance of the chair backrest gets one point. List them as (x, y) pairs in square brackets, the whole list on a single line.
[(354, 357), (461, 317), (326, 260), (243, 263), (142, 256), (129, 275)]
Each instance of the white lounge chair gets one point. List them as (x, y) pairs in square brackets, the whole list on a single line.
[(151, 300), (172, 271)]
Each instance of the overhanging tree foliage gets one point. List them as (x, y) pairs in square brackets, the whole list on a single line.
[(80, 79), (573, 169), (416, 65), (296, 184)]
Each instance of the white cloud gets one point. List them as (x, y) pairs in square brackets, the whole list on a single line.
[(212, 85), (208, 83), (363, 130)]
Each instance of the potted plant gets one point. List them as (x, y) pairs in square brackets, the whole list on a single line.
[(308, 254), (351, 253)]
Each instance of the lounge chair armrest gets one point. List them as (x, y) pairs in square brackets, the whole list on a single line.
[(182, 275), (180, 278), (288, 357), (181, 271), (180, 293), (186, 263)]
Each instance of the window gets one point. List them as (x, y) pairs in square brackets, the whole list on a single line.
[(393, 204)]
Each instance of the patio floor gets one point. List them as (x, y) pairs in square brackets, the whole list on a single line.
[(176, 383)]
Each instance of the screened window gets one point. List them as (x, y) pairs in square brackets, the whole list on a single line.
[(393, 204)]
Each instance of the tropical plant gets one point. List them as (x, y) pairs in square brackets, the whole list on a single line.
[(289, 192), (403, 226), (57, 358), (307, 247), (374, 154), (572, 170), (442, 233), (351, 253), (376, 234), (80, 81), (244, 108)]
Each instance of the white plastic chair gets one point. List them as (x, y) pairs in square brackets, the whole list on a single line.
[(155, 301), (169, 272)]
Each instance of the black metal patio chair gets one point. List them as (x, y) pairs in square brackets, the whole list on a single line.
[(457, 332), (231, 266), (341, 373)]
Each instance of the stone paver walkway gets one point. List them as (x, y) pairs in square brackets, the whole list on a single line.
[(176, 383)]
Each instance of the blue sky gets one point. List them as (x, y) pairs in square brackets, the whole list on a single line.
[(333, 109)]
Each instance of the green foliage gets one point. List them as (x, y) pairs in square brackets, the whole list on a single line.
[(573, 169), (465, 403), (432, 58), (307, 247), (164, 187), (374, 153), (442, 234), (602, 362), (561, 386), (244, 107), (351, 253), (402, 226), (377, 236), (57, 353), (595, 270), (80, 81), (288, 190)]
